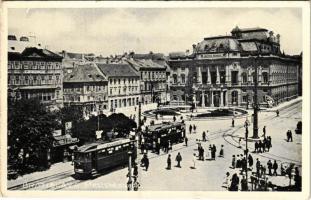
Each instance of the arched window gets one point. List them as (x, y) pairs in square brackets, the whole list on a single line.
[(265, 77), (174, 78), (183, 78), (244, 77), (234, 97)]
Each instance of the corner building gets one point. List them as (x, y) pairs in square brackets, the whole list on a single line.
[(221, 70)]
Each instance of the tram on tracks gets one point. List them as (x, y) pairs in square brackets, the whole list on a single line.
[(100, 156), (160, 135)]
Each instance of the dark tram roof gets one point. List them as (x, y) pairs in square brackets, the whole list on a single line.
[(164, 125), (102, 144)]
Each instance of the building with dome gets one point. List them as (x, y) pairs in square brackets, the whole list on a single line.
[(220, 70)]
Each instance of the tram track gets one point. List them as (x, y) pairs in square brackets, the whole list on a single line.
[(41, 181), (288, 112)]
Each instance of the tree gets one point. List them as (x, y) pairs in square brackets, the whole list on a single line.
[(31, 128), (70, 114)]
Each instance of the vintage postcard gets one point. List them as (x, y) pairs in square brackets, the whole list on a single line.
[(155, 99)]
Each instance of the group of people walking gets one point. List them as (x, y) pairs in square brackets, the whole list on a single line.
[(263, 145), (192, 127), (178, 159)]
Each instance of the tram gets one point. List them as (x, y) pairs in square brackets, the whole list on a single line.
[(159, 135), (100, 156)]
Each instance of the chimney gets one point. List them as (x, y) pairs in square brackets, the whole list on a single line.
[(278, 38), (194, 48)]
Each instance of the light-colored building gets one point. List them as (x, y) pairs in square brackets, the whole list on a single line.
[(123, 85), (153, 80), (220, 71), (36, 73), (85, 86)]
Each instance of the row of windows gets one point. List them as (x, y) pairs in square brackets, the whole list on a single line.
[(118, 103), (43, 96), (152, 75), (95, 88), (34, 77), (34, 82), (123, 81), (33, 65), (124, 90), (76, 98)]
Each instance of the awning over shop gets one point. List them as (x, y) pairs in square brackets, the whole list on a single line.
[(63, 140)]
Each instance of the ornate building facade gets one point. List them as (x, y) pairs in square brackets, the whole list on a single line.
[(36, 73), (221, 71)]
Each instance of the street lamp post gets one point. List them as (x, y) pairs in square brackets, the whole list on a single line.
[(246, 153), (130, 182), (255, 124)]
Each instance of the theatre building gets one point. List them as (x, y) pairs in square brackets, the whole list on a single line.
[(221, 71)]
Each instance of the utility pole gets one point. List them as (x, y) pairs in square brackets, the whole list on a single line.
[(255, 124), (130, 182), (139, 116), (246, 152)]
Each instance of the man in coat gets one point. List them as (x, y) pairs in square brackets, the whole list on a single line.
[(169, 162), (269, 164), (275, 167), (178, 159)]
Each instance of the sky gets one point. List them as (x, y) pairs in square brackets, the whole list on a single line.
[(110, 31)]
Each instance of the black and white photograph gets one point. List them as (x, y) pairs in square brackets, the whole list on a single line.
[(196, 98)]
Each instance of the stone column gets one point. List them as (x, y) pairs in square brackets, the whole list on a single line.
[(199, 75), (218, 75), (212, 100), (208, 76), (221, 99), (203, 99)]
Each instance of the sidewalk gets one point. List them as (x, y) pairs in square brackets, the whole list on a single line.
[(284, 105), (57, 168)]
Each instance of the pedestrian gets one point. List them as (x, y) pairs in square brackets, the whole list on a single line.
[(190, 128), (233, 162), (145, 162), (290, 135), (234, 183), (275, 167), (221, 152), (264, 145), (194, 160), (250, 161), (259, 146), (214, 152), (194, 128), (174, 118), (257, 167), (204, 136), (232, 122), (238, 162), (169, 145), (202, 153), (268, 145), (178, 159), (277, 113), (169, 162), (244, 186), (225, 183), (240, 139), (256, 147), (135, 170), (297, 179), (287, 135), (244, 165), (186, 141), (269, 165)]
